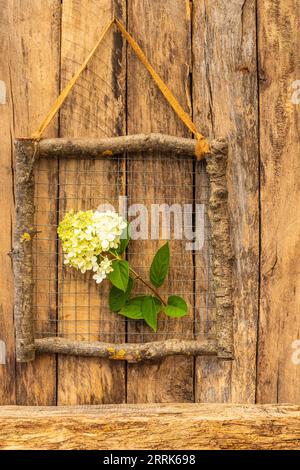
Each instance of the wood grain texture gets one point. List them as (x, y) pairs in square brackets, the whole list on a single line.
[(177, 426), (225, 104), (279, 42), (7, 367), (34, 61), (164, 36), (95, 108)]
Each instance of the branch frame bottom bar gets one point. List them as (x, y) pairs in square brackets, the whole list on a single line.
[(130, 352)]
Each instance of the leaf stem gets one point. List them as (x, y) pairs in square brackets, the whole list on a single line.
[(138, 277)]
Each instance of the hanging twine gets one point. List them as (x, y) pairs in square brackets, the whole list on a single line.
[(202, 145)]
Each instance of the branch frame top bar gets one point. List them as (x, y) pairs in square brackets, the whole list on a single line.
[(27, 153)]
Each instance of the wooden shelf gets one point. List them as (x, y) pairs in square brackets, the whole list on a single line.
[(153, 426)]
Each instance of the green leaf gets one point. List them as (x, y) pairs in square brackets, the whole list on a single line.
[(119, 277), (150, 308), (118, 298), (132, 308), (158, 303), (124, 240), (176, 307), (160, 265)]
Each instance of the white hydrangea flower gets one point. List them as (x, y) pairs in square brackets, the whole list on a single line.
[(108, 226), (85, 235), (105, 267)]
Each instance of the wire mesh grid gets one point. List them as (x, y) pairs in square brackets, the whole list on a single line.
[(70, 304)]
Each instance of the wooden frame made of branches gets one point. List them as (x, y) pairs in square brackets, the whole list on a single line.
[(27, 153)]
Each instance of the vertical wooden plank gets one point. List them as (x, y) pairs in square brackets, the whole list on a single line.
[(34, 59), (95, 108), (162, 29), (279, 326), (7, 356), (225, 104)]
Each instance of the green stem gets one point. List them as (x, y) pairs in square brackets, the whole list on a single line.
[(139, 278)]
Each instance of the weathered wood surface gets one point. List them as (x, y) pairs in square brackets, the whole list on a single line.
[(176, 426), (95, 108), (32, 58), (7, 345), (225, 104), (278, 376), (131, 352), (164, 35)]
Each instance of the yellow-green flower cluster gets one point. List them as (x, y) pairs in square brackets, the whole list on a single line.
[(86, 235)]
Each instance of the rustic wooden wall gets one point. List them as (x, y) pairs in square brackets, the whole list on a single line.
[(232, 66), (96, 109), (169, 22)]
